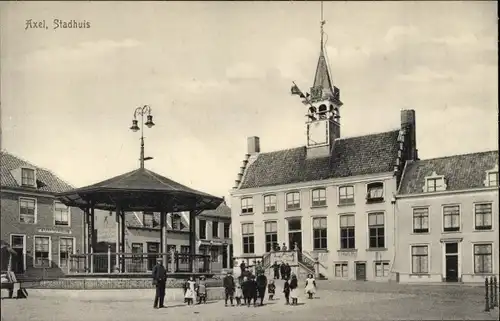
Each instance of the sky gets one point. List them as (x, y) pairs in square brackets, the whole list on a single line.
[(215, 73)]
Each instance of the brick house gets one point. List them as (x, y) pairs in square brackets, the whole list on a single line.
[(447, 219), (41, 230), (142, 234)]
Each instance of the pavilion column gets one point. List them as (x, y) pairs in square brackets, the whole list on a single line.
[(85, 237), (91, 237), (118, 233), (163, 238), (192, 239), (122, 237)]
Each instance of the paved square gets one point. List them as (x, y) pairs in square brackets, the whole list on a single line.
[(335, 301)]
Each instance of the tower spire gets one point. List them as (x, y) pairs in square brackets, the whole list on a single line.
[(322, 23)]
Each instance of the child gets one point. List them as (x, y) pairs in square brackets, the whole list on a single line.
[(190, 292), (254, 290), (228, 283), (245, 288), (286, 291), (238, 294), (202, 290), (294, 291), (310, 286), (271, 288)]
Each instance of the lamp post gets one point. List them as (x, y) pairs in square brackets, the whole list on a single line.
[(224, 253), (141, 111), (211, 244)]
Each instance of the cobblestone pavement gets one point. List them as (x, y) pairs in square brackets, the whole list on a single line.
[(334, 301)]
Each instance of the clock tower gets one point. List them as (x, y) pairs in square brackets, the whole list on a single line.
[(323, 117)]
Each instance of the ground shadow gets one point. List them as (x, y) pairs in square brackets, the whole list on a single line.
[(300, 303)]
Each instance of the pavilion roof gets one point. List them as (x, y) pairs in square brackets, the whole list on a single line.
[(140, 190)]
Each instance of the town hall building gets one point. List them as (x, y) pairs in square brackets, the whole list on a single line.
[(332, 198)]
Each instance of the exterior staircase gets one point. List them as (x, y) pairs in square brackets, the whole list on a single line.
[(301, 262)]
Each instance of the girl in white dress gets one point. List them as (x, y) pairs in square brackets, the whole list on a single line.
[(190, 294), (310, 286)]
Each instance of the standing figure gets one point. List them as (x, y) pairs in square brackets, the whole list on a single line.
[(228, 283), (277, 247), (283, 247), (283, 270), (159, 274), (271, 289), (276, 269), (238, 293), (254, 290), (294, 291), (242, 267), (190, 291), (202, 290), (245, 289), (286, 291), (261, 286), (259, 268), (288, 271), (310, 286)]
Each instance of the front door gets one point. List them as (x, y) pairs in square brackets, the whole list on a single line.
[(451, 262), (152, 247), (360, 271), (17, 244), (294, 233), (18, 261)]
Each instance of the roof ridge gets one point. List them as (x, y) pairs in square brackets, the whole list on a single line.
[(341, 138), (371, 134), (458, 155), (37, 167)]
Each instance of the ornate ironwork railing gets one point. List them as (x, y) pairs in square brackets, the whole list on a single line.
[(140, 263)]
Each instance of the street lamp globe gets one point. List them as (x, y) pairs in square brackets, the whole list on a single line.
[(135, 126), (149, 121)]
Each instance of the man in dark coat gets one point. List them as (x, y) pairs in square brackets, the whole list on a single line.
[(276, 269), (261, 286), (288, 271), (283, 270), (229, 286), (159, 280), (242, 267), (252, 290)]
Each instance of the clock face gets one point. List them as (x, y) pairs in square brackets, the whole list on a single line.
[(317, 133)]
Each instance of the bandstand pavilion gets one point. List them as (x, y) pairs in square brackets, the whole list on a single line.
[(139, 190)]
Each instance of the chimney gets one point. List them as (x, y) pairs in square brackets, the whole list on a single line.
[(253, 145), (224, 200), (408, 124)]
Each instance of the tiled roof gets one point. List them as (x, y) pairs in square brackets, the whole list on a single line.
[(223, 211), (460, 171), (46, 180), (362, 155), (140, 181)]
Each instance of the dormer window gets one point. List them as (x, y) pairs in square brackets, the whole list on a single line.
[(492, 177), (434, 183), (28, 177), (375, 192)]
